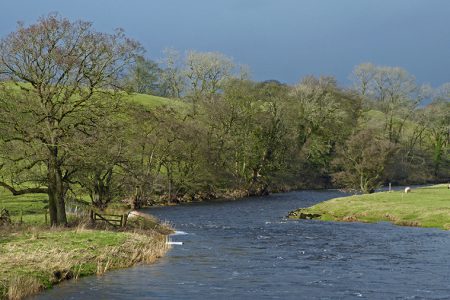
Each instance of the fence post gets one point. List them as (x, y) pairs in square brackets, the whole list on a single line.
[(21, 216), (125, 219)]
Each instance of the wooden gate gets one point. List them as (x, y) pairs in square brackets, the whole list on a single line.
[(113, 220)]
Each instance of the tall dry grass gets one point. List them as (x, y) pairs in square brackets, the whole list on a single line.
[(40, 256), (21, 286)]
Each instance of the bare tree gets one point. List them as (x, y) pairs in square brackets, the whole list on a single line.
[(362, 77), (442, 93), (172, 79), (394, 92), (205, 72)]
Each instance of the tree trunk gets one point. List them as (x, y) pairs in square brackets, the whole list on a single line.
[(363, 184), (52, 203), (137, 198), (55, 189)]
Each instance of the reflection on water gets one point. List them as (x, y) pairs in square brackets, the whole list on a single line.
[(247, 249)]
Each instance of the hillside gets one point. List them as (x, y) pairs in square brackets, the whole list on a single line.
[(151, 101)]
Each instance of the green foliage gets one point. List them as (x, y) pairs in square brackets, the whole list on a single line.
[(254, 137), (85, 139), (70, 73), (144, 77), (361, 161)]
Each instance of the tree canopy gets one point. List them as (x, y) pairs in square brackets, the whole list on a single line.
[(65, 76), (69, 129)]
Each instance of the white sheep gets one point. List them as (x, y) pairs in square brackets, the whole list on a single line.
[(407, 190)]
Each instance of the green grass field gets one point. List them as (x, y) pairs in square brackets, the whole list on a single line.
[(148, 101), (30, 207), (423, 207)]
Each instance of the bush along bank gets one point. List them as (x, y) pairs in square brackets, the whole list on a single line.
[(227, 194)]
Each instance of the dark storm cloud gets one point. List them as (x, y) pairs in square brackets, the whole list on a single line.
[(278, 39)]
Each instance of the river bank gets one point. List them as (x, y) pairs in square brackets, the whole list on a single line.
[(422, 207), (33, 259), (246, 249), (35, 256), (321, 184), (236, 193)]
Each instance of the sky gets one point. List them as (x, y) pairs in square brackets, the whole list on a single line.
[(283, 40)]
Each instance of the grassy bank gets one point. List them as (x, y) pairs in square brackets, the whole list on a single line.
[(34, 256), (35, 259), (424, 207)]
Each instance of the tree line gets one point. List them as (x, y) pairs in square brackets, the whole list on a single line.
[(69, 130)]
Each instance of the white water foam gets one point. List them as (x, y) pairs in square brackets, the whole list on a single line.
[(179, 233), (175, 243)]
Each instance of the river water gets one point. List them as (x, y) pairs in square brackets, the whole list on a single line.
[(247, 249)]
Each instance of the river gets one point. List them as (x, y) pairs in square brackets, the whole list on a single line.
[(247, 249)]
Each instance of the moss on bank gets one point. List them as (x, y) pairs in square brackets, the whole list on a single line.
[(423, 207)]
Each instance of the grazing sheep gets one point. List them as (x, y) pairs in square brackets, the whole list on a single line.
[(407, 190)]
